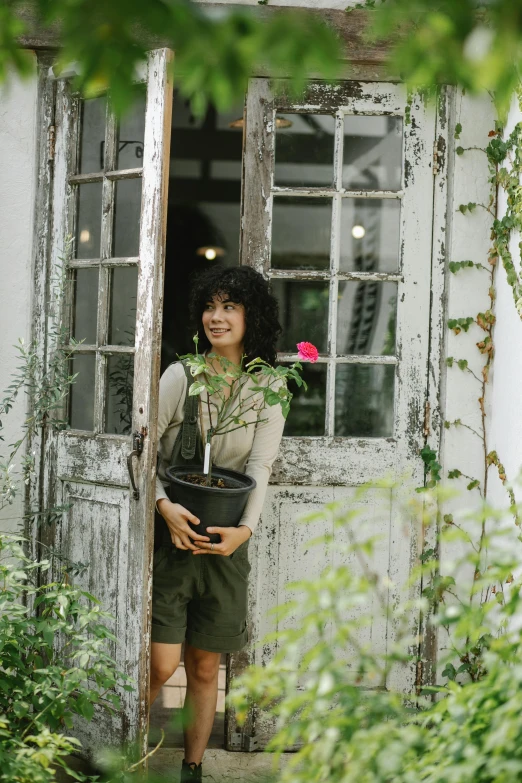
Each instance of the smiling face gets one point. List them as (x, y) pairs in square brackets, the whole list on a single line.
[(225, 326)]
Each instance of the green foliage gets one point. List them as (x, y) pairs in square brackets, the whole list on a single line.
[(458, 325), (467, 207), (324, 686), (509, 180), (54, 641), (215, 53), (456, 266), (265, 386), (54, 665), (46, 382), (462, 364), (476, 45), (432, 468), (497, 150)]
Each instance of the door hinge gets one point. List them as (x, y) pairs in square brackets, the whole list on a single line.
[(436, 156), (426, 427), (52, 141), (244, 742)]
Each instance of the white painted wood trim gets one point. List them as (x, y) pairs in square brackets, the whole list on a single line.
[(153, 227)]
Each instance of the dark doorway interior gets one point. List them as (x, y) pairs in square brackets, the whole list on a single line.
[(202, 230), (203, 212)]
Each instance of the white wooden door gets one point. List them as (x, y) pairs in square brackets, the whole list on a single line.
[(109, 202), (337, 213)]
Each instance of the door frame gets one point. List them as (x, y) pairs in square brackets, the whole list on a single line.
[(46, 128)]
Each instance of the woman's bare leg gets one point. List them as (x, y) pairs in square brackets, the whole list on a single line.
[(202, 670), (164, 660)]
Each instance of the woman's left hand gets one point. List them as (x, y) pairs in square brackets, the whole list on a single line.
[(231, 538)]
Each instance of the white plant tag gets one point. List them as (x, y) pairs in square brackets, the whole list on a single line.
[(206, 464)]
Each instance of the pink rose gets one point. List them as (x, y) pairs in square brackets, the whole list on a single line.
[(307, 352)]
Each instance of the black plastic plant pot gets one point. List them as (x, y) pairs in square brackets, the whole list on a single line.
[(213, 506)]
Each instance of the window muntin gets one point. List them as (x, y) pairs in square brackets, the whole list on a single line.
[(339, 289), (106, 204)]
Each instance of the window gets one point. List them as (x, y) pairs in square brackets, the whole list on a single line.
[(103, 274), (334, 265)]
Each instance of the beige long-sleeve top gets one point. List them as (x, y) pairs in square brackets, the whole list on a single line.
[(251, 450)]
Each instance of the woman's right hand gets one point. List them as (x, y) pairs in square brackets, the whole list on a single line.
[(177, 518)]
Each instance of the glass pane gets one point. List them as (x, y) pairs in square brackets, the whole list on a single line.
[(131, 135), (81, 395), (303, 313), (304, 150), (122, 317), (127, 208), (366, 318), (92, 135), (372, 158), (120, 380), (308, 408), (88, 223), (370, 235), (364, 400), (85, 310), (301, 233)]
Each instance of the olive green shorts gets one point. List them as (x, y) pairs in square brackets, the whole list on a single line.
[(201, 599)]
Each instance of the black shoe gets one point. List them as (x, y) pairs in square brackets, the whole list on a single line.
[(191, 772)]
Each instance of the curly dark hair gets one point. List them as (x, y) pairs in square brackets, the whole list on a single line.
[(245, 286)]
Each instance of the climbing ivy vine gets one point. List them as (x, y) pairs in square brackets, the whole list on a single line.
[(505, 165)]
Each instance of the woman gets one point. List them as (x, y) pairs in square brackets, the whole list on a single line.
[(200, 589)]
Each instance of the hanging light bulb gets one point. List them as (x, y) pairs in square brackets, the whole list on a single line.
[(210, 252), (358, 232)]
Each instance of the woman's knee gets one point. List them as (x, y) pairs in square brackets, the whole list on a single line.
[(163, 662), (202, 666)]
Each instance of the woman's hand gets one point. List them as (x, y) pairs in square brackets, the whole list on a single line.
[(177, 518), (231, 538)]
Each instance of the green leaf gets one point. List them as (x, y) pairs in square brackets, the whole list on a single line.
[(196, 389), (458, 131), (450, 672), (456, 266)]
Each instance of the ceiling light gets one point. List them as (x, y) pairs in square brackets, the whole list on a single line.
[(358, 232), (210, 252)]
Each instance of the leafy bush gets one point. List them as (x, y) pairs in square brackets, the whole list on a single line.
[(54, 662), (343, 716), (54, 665)]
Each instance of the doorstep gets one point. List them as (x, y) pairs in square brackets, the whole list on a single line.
[(219, 766)]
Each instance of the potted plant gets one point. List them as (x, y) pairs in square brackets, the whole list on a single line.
[(218, 496)]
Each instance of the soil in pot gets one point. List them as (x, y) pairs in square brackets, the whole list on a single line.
[(194, 478)]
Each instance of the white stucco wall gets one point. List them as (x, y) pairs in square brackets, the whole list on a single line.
[(506, 382), (18, 103), (468, 238)]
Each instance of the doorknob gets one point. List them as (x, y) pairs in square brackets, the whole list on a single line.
[(137, 446)]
